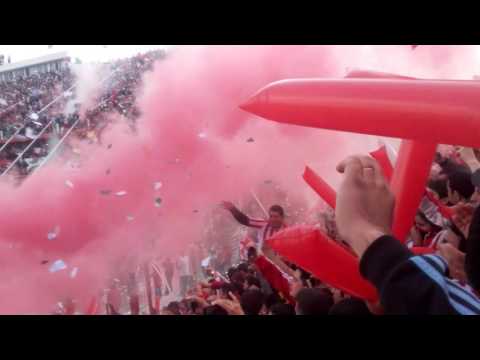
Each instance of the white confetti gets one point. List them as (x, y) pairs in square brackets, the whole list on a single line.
[(69, 184), (74, 272), (121, 193), (57, 266), (157, 185), (54, 233), (130, 218), (202, 135)]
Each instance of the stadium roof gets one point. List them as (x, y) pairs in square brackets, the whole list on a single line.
[(36, 61)]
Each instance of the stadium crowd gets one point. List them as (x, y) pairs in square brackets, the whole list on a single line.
[(29, 104), (210, 281), (444, 280)]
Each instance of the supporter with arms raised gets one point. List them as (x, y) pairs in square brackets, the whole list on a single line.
[(266, 229), (407, 284)]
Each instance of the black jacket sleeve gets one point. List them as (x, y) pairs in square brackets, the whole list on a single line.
[(407, 284)]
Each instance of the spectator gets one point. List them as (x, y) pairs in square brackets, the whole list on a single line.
[(252, 283), (173, 308), (214, 310), (282, 309), (424, 231), (253, 302), (185, 273), (350, 306), (460, 187), (313, 302)]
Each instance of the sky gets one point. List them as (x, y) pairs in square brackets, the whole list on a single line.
[(86, 53)]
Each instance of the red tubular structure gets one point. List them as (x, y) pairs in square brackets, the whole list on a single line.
[(382, 157), (385, 105), (324, 190), (408, 183), (401, 108), (422, 112), (368, 74), (313, 251)]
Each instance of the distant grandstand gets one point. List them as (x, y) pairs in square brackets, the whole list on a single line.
[(53, 62)]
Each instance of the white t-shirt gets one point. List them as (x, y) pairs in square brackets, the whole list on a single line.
[(184, 266)]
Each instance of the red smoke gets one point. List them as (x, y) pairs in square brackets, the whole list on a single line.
[(196, 90)]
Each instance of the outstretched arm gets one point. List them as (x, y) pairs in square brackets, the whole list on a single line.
[(241, 217)]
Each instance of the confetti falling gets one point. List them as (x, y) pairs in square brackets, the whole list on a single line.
[(69, 184), (158, 202), (44, 262), (74, 272), (250, 140), (157, 185), (57, 266), (202, 135), (54, 233), (130, 218), (109, 146), (105, 192), (121, 193)]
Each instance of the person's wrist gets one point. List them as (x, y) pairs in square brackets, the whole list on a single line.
[(364, 238)]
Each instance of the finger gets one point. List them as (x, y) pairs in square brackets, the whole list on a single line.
[(349, 161), (369, 175), (352, 168), (371, 169)]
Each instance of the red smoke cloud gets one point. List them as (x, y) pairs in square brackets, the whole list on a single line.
[(192, 137)]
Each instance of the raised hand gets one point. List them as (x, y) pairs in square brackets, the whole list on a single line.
[(364, 210)]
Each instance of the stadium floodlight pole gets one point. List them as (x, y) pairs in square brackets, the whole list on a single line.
[(42, 110), (41, 133)]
